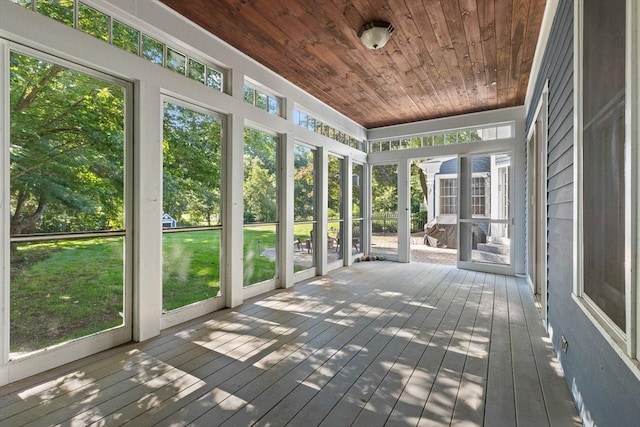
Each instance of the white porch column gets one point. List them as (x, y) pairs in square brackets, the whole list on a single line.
[(147, 280), (347, 192), (285, 209), (404, 210), (233, 257), (320, 237), (5, 234)]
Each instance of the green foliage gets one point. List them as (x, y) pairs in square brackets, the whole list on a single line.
[(262, 146), (357, 196), (214, 78), (304, 178), (176, 61), (67, 149), (93, 22), (24, 3), (334, 203), (60, 10), (419, 188), (260, 194), (126, 38), (385, 188), (196, 70), (260, 178), (152, 50), (192, 159)]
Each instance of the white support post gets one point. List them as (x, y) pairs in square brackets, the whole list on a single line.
[(4, 214), (233, 241), (367, 203), (518, 201), (404, 211), (465, 227), (347, 191), (147, 281), (320, 249), (233, 255), (286, 208), (632, 294)]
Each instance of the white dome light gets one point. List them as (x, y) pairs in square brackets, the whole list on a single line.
[(375, 34)]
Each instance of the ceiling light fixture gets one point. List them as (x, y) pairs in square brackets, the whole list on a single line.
[(375, 34)]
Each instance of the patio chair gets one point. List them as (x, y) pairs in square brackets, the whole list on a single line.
[(355, 237)]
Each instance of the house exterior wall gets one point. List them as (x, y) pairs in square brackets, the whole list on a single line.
[(605, 389), (480, 164)]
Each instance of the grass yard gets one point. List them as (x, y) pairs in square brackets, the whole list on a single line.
[(258, 268), (68, 289), (190, 267), (64, 290)]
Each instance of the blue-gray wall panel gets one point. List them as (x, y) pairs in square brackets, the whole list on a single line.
[(563, 177), (480, 164), (605, 390)]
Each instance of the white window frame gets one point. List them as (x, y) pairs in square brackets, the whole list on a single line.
[(485, 196), (438, 207), (260, 89), (15, 367), (200, 308), (476, 175), (624, 342)]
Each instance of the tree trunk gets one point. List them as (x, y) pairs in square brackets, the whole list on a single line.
[(423, 182), (20, 222)]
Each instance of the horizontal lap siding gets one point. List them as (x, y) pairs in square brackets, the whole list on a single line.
[(605, 389), (557, 68)]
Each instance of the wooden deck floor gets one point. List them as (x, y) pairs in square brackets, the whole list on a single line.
[(380, 343)]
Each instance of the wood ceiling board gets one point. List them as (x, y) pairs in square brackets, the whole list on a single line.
[(471, 22), (417, 65), (454, 17), (426, 46), (442, 60), (519, 20), (535, 21), (486, 14), (503, 47)]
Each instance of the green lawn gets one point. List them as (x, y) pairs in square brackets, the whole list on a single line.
[(68, 289), (64, 290), (191, 267)]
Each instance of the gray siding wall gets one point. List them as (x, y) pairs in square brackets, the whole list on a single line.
[(606, 392), (480, 164)]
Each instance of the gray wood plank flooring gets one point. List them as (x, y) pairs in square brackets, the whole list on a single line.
[(378, 343)]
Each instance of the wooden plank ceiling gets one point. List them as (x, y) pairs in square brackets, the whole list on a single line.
[(446, 57)]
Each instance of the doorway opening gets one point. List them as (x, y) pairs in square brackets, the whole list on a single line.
[(460, 210), (434, 200)]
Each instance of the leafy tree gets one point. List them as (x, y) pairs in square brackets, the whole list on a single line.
[(94, 22), (191, 165), (384, 188), (126, 38), (334, 206), (60, 10), (303, 183), (263, 146), (419, 188), (357, 190), (260, 197), (67, 149), (260, 182)]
